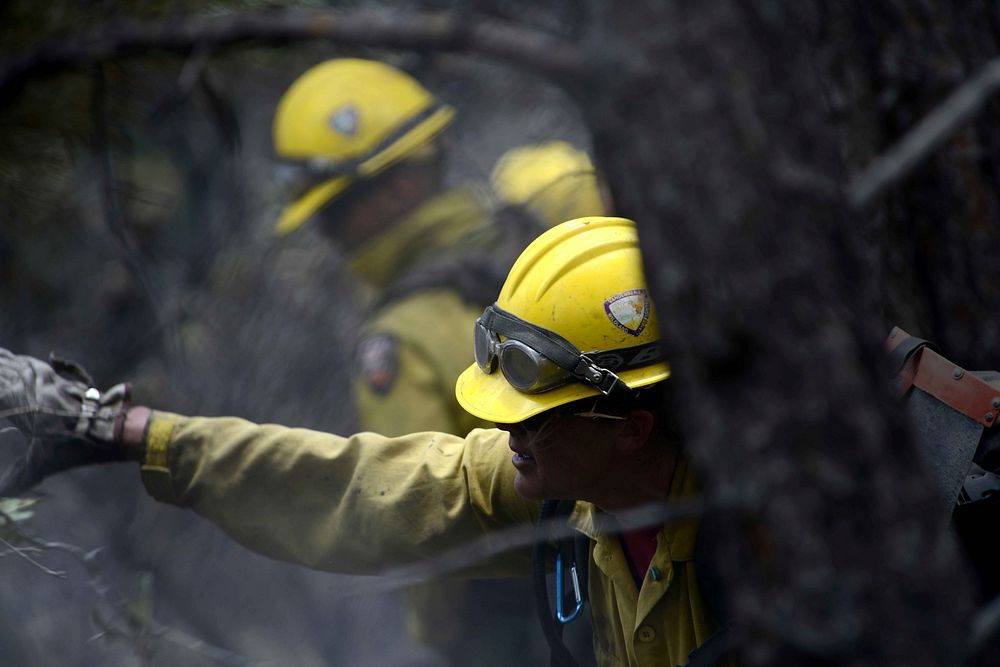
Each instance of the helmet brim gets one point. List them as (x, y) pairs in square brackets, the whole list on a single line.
[(295, 214), (490, 397)]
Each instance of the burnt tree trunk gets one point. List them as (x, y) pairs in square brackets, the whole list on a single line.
[(733, 151)]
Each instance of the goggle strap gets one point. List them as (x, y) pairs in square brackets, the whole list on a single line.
[(324, 170), (548, 343)]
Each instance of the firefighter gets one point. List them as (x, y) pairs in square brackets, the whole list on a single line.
[(583, 427), (553, 181), (359, 152), (361, 158)]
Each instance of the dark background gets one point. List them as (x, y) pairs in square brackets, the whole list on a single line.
[(136, 206)]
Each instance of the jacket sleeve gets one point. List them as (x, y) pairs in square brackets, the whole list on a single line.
[(359, 504)]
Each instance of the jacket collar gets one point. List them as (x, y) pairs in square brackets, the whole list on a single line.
[(678, 537)]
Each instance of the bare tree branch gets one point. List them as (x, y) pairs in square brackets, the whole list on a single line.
[(110, 196), (540, 52), (114, 212), (928, 134), (495, 543)]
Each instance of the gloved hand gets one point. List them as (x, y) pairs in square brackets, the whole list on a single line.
[(68, 422)]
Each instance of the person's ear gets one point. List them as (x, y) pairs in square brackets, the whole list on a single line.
[(635, 430)]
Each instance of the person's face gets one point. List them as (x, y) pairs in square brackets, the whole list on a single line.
[(370, 207), (560, 456), (361, 214)]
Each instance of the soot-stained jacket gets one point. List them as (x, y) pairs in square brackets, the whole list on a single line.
[(367, 503)]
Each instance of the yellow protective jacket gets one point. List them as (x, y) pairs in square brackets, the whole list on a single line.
[(415, 344), (429, 334), (365, 503)]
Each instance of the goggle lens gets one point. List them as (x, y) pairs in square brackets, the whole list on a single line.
[(519, 366), (534, 359), (484, 344), (524, 368)]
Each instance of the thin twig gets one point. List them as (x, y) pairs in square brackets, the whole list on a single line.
[(55, 573), (14, 552), (23, 551), (114, 213), (540, 52), (115, 601), (499, 542), (928, 134)]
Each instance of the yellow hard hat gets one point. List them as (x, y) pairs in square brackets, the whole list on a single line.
[(348, 119), (554, 180), (573, 319)]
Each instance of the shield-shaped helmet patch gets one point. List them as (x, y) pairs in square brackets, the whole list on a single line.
[(629, 310)]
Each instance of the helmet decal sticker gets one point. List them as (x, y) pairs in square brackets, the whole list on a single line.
[(345, 120), (629, 311), (378, 361)]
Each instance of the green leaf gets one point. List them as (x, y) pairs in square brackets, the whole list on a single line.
[(14, 513), (16, 509)]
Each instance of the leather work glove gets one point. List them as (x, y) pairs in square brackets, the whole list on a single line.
[(67, 421)]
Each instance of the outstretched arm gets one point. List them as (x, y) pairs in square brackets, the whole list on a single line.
[(358, 504)]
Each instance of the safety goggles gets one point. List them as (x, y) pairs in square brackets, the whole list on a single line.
[(534, 360)]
